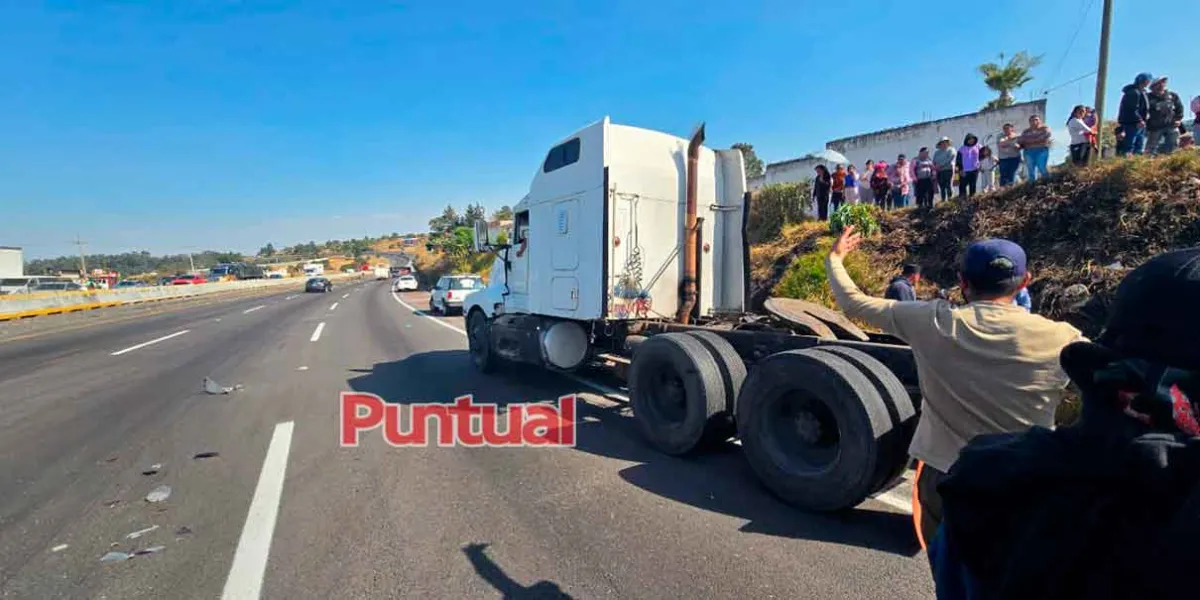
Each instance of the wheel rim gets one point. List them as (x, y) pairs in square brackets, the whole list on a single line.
[(666, 395), (803, 436)]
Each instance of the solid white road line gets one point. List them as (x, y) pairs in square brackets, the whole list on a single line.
[(317, 332), (154, 341), (422, 314), (333, 306), (895, 500), (250, 559), (250, 310)]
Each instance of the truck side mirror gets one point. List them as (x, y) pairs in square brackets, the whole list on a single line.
[(480, 237)]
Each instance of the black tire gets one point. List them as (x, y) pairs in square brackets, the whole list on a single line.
[(733, 376), (811, 425), (677, 394), (479, 343), (432, 307), (900, 409)]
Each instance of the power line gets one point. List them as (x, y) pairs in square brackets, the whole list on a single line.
[(1071, 44), (1063, 85)]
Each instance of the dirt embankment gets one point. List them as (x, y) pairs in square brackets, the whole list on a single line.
[(1082, 230)]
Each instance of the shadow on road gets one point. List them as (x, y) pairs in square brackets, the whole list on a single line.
[(507, 586), (718, 481)]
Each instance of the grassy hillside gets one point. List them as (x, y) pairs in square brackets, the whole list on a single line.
[(1082, 229)]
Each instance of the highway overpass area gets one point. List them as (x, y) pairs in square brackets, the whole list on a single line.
[(122, 477)]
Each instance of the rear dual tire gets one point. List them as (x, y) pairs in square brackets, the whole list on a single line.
[(683, 388)]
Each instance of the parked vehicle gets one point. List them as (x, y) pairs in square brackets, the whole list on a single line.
[(628, 252), (130, 283), (65, 285), (35, 283), (381, 273), (189, 279), (318, 284), (314, 269), (404, 283), (165, 280), (449, 292)]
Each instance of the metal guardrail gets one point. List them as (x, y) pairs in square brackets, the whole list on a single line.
[(20, 306)]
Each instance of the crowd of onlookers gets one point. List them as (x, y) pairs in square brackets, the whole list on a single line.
[(1150, 120)]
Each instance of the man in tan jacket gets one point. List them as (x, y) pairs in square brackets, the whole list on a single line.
[(986, 367)]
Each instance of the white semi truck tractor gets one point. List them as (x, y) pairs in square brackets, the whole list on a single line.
[(630, 251)]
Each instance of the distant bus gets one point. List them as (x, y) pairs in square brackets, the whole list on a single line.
[(235, 272)]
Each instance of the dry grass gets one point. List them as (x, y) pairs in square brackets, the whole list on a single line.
[(1072, 226)]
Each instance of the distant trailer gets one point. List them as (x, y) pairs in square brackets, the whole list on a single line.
[(12, 262)]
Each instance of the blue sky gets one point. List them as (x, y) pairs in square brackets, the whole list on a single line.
[(168, 126)]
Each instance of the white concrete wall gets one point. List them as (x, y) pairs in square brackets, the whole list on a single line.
[(886, 145)]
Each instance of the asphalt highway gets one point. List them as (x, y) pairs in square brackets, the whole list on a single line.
[(265, 502)]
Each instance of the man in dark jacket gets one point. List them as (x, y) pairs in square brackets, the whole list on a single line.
[(1135, 109), (901, 287), (1166, 115), (1106, 508)]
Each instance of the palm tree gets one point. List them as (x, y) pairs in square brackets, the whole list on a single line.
[(1004, 77)]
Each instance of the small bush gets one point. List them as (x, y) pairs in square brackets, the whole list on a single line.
[(864, 218), (806, 278)]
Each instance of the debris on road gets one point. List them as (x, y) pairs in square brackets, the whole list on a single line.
[(115, 557), (184, 530), (60, 547), (212, 387), (112, 503), (139, 533), (153, 470), (150, 550), (159, 494), (200, 455)]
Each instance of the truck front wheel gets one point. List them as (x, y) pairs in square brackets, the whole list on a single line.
[(479, 342)]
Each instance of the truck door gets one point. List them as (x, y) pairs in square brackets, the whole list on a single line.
[(518, 267)]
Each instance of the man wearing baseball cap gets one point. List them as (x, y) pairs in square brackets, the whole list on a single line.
[(1108, 507), (987, 367)]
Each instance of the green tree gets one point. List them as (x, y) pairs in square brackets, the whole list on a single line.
[(1004, 77), (473, 213), (268, 250), (447, 221), (754, 164), (504, 213)]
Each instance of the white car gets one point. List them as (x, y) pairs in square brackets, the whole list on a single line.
[(404, 283), (451, 290)]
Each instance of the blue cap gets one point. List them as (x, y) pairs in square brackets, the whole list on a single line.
[(993, 261), (1143, 77)]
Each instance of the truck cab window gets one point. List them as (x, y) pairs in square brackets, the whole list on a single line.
[(521, 226), (564, 154)]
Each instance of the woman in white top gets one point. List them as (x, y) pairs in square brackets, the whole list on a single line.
[(1081, 136)]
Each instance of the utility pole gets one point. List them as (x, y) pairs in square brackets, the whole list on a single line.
[(1102, 74), (82, 261)]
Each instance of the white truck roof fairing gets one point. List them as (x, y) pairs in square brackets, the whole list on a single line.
[(607, 211)]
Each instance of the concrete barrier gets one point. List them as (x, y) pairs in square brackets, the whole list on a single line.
[(22, 306)]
